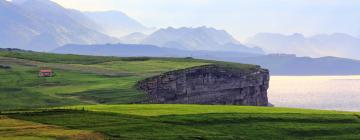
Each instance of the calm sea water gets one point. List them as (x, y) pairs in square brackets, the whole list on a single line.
[(316, 92)]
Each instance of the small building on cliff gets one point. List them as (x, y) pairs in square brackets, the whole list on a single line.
[(46, 72)]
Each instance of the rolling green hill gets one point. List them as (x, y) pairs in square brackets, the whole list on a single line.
[(81, 79), (78, 80), (89, 98)]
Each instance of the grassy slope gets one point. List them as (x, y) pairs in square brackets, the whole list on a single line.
[(204, 122), (78, 80)]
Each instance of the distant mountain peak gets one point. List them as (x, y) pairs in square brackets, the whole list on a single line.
[(298, 35), (137, 34), (335, 44), (133, 38), (36, 2), (116, 23), (171, 28), (43, 25), (4, 3), (197, 38), (17, 1)]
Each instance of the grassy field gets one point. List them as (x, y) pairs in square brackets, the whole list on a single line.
[(78, 80), (89, 99), (203, 122), (82, 79)]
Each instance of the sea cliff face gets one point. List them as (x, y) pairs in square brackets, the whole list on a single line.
[(210, 84)]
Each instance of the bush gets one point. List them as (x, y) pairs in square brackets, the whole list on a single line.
[(4, 67)]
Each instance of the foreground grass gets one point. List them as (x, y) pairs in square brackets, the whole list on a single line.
[(203, 122), (178, 109), (13, 129)]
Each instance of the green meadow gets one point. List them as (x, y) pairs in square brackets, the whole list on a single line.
[(78, 79), (201, 122), (95, 97)]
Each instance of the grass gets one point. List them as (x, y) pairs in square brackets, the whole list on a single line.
[(105, 86), (203, 122), (13, 129), (82, 80), (178, 109), (53, 58), (73, 86)]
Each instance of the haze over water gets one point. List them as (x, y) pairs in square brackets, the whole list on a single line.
[(316, 92)]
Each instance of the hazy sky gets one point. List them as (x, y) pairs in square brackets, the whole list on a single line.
[(242, 18)]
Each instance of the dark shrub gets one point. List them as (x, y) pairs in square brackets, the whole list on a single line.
[(4, 67)]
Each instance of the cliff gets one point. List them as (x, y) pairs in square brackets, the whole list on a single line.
[(209, 84)]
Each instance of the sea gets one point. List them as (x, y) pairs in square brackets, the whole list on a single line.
[(340, 93)]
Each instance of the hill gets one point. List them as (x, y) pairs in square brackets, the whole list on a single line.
[(80, 79)]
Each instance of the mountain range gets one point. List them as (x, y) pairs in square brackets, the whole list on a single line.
[(133, 38), (285, 64), (200, 38), (131, 50), (337, 44), (117, 24), (44, 25), (278, 64)]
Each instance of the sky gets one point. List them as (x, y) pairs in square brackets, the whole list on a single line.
[(241, 18)]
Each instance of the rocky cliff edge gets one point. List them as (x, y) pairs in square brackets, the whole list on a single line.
[(209, 84)]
